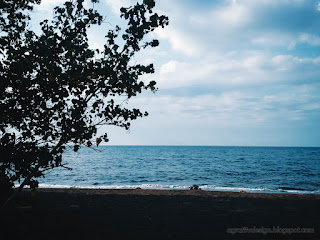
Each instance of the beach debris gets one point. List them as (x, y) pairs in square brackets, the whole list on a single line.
[(33, 186), (195, 187), (98, 141), (242, 191), (33, 193), (25, 208), (74, 207), (138, 188)]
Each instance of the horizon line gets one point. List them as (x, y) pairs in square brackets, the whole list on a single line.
[(177, 145)]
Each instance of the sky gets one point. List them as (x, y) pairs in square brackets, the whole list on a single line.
[(229, 73)]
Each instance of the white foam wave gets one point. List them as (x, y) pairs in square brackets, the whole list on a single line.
[(180, 187), (237, 189), (143, 186)]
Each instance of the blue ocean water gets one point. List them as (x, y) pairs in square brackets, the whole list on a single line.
[(252, 169)]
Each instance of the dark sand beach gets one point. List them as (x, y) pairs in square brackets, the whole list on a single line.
[(161, 214)]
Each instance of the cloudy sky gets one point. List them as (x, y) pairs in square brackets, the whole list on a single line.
[(229, 72)]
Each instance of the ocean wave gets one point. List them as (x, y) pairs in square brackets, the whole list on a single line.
[(181, 187), (96, 186)]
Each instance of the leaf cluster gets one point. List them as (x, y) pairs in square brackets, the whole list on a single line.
[(56, 91)]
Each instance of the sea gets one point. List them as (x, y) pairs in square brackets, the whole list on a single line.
[(251, 169)]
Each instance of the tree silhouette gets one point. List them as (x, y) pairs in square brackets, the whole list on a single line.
[(56, 91)]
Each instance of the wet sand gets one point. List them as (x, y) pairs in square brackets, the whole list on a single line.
[(161, 214)]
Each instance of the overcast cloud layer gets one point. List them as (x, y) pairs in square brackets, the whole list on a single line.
[(229, 73)]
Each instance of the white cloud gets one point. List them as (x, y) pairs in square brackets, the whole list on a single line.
[(48, 5), (240, 69), (309, 39), (275, 39), (234, 14), (234, 108), (282, 62), (116, 5), (239, 24), (176, 74), (255, 62), (234, 64), (218, 107), (169, 67), (227, 64), (179, 41)]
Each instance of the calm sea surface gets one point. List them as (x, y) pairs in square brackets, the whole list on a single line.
[(252, 169)]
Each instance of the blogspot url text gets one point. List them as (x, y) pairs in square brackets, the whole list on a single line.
[(273, 230)]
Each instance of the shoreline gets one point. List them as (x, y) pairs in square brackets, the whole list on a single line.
[(162, 214), (181, 192), (283, 190)]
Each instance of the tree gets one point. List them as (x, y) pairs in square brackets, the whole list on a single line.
[(56, 91)]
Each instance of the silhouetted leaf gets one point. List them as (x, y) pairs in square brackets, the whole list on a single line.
[(56, 91)]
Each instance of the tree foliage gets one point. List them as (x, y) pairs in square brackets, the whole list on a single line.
[(56, 90)]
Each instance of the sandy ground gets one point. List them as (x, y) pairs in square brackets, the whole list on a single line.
[(161, 214)]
